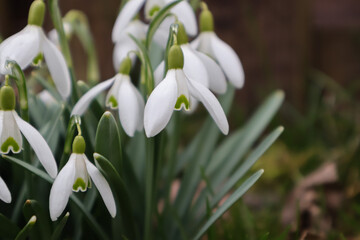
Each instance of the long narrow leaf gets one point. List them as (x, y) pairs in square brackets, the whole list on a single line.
[(7, 228), (24, 233), (229, 202), (59, 228)]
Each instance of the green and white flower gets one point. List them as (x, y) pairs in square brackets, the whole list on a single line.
[(76, 176), (209, 43), (176, 92), (5, 194), (25, 46), (10, 137), (123, 96)]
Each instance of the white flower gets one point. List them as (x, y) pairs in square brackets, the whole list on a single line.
[(25, 45), (10, 137), (124, 44), (123, 95), (183, 11), (75, 176), (209, 43), (176, 92), (197, 66), (4, 192)]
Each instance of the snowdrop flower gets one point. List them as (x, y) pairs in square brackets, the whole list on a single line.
[(197, 65), (4, 192), (25, 45), (183, 11), (175, 92), (10, 137), (75, 176), (123, 95), (209, 43), (125, 25)]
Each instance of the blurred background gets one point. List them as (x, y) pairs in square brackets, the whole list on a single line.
[(311, 50)]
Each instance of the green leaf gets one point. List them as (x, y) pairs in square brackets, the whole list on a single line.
[(59, 228), (229, 202), (24, 233), (158, 19), (7, 228), (119, 188), (225, 160), (31, 208), (223, 189), (107, 141)]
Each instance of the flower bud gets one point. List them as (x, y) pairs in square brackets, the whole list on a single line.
[(125, 66), (175, 58), (7, 98), (36, 13), (79, 145)]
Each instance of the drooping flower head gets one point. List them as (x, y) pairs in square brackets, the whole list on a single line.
[(209, 43), (176, 92), (197, 65), (26, 45), (76, 176), (10, 137), (123, 96)]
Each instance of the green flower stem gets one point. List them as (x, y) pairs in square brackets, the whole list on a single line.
[(58, 24), (20, 81), (149, 188), (80, 25), (69, 139)]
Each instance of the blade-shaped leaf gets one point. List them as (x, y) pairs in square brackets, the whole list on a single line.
[(31, 208), (59, 228), (24, 233), (229, 202), (7, 228), (107, 141)]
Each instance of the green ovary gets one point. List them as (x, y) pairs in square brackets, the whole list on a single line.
[(10, 142), (79, 184), (180, 101), (112, 102)]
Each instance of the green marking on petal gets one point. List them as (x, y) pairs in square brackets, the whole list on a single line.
[(10, 142), (79, 184), (112, 102), (182, 100), (154, 10), (38, 59)]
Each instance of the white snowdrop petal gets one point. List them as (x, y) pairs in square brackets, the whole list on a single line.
[(62, 188), (102, 186), (211, 104), (84, 102), (217, 80), (160, 105), (5, 194), (22, 47), (130, 108), (193, 66), (159, 73), (10, 138), (186, 15), (57, 67), (229, 61), (130, 9), (38, 144)]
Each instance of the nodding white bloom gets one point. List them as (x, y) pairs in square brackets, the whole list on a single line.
[(26, 45), (176, 92), (75, 176), (197, 66), (123, 95), (125, 25), (124, 44), (5, 194), (209, 43), (183, 11), (10, 137)]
